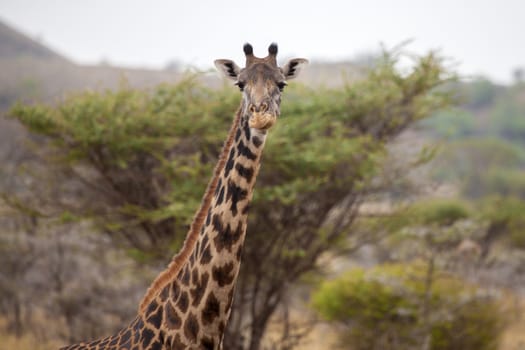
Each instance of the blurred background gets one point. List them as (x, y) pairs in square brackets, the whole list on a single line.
[(397, 223)]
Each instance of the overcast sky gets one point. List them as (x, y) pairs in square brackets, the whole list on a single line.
[(484, 37)]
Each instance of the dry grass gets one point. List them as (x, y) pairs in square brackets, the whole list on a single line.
[(514, 336), (27, 341), (322, 336), (317, 335)]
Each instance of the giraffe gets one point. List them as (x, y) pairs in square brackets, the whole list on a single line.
[(188, 305)]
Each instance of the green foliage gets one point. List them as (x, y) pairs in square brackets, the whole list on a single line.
[(508, 115), (152, 151), (472, 155), (439, 212), (126, 121), (505, 217), (434, 213), (451, 124), (476, 324), (487, 154), (382, 308), (481, 93), (475, 163), (505, 182), (490, 111)]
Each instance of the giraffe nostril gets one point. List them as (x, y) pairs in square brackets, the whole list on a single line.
[(258, 108)]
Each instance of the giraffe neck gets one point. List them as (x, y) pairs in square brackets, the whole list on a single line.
[(193, 308), (188, 304)]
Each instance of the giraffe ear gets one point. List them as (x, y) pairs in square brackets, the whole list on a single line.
[(292, 68), (228, 68)]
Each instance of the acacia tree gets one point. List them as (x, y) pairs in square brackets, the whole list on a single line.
[(132, 162), (135, 164)]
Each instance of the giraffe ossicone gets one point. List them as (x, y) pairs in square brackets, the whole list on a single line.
[(188, 305)]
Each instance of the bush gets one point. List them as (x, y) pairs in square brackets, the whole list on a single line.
[(384, 308), (436, 212), (439, 212), (505, 182), (505, 218)]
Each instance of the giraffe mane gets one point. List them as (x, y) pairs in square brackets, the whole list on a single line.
[(193, 234)]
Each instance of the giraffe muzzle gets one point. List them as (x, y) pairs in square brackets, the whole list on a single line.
[(262, 121)]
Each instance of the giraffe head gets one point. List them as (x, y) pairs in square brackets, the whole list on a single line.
[(261, 82)]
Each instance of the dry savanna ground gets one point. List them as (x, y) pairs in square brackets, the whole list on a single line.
[(322, 335)]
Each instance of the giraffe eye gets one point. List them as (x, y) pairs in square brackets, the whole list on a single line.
[(281, 85), (240, 84)]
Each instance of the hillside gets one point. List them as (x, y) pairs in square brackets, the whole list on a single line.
[(14, 44), (32, 71)]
